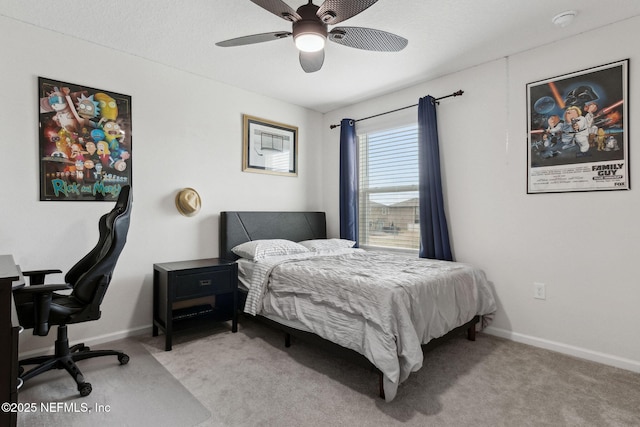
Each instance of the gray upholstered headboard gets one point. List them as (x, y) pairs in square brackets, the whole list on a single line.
[(240, 227)]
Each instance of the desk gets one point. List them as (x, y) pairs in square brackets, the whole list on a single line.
[(10, 278)]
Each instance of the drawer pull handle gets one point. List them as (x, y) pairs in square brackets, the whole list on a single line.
[(205, 282)]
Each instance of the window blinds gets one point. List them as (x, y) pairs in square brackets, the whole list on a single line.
[(388, 186)]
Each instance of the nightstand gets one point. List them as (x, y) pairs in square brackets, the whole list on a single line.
[(188, 292)]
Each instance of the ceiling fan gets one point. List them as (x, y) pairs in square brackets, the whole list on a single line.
[(310, 30)]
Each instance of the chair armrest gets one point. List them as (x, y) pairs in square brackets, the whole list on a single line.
[(41, 289), (36, 277), (38, 298)]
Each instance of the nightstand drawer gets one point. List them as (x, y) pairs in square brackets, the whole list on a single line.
[(202, 284)]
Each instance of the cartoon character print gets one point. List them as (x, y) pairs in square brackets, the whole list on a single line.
[(554, 131), (87, 110), (611, 144), (102, 150), (108, 107), (84, 137), (58, 102), (590, 110), (575, 130), (600, 139)]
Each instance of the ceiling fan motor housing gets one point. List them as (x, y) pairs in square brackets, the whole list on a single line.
[(309, 23)]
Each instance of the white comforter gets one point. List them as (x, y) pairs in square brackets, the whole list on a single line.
[(382, 305)]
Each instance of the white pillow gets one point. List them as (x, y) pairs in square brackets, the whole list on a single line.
[(261, 249), (318, 245)]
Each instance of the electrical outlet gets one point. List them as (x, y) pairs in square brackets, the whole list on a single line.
[(539, 291)]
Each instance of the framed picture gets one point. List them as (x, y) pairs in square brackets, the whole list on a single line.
[(269, 147), (578, 131), (85, 142)]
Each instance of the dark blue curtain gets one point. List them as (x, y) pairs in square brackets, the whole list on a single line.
[(348, 181), (434, 234)]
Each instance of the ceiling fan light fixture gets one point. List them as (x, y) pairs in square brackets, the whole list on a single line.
[(309, 33), (309, 42)]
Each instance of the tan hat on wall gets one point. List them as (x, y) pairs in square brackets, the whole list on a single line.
[(188, 202)]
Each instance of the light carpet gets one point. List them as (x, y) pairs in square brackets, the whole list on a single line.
[(140, 393), (250, 379)]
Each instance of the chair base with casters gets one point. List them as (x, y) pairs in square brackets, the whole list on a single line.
[(65, 357)]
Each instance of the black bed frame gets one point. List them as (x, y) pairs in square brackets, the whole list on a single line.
[(237, 227)]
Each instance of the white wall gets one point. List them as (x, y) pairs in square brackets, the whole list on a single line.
[(583, 246), (187, 132)]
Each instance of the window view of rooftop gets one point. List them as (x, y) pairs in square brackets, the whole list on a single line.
[(388, 175)]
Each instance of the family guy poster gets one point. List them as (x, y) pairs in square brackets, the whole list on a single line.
[(578, 131)]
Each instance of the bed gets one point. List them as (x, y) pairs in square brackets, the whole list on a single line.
[(382, 306)]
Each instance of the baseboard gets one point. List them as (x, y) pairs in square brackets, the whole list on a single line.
[(594, 356), (92, 341)]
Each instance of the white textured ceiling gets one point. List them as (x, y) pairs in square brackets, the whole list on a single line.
[(444, 37)]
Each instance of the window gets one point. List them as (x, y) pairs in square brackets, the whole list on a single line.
[(388, 187)]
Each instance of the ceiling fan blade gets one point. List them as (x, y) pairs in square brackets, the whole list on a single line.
[(311, 61), (278, 8), (367, 39), (255, 38), (334, 11)]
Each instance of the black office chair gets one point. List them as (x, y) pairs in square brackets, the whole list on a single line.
[(38, 306)]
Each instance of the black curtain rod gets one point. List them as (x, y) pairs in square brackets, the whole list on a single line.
[(458, 93)]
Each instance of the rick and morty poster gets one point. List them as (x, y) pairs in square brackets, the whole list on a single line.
[(85, 142), (578, 131)]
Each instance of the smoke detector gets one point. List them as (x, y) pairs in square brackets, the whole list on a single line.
[(564, 18)]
